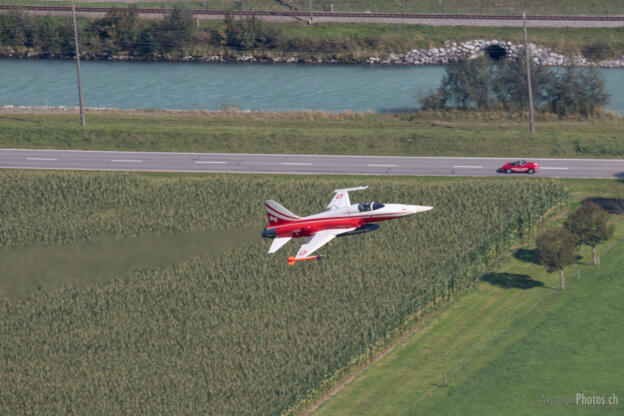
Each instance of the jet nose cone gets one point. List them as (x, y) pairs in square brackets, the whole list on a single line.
[(418, 208)]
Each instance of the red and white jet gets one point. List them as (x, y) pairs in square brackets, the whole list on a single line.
[(340, 219)]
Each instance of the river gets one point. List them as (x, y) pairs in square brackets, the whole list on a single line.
[(258, 87)]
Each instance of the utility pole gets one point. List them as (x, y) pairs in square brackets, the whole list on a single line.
[(528, 69), (310, 21), (83, 122)]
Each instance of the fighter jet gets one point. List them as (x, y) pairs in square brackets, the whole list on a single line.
[(341, 219)]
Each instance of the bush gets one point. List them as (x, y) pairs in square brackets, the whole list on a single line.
[(116, 31), (598, 51), (482, 84), (176, 30), (250, 34), (17, 29), (576, 91)]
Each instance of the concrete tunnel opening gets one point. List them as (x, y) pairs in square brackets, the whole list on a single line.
[(495, 52)]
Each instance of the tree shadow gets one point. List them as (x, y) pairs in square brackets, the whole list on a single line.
[(526, 255), (611, 205), (579, 258), (511, 280)]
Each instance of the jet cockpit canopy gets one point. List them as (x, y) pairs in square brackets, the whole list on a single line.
[(369, 206)]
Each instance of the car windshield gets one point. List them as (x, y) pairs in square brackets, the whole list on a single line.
[(369, 206)]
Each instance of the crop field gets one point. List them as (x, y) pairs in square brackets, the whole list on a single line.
[(228, 329)]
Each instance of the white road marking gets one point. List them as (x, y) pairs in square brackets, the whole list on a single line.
[(210, 162), (554, 168), (381, 166), (127, 160), (468, 167), (41, 158), (505, 159), (295, 163)]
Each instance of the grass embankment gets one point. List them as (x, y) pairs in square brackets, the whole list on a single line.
[(362, 40), (234, 332), (383, 6), (410, 134), (515, 345)]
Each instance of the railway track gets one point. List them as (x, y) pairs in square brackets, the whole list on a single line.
[(341, 15)]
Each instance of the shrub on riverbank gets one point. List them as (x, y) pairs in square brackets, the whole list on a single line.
[(484, 84)]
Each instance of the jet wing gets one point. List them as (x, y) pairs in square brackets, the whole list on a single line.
[(278, 242), (318, 240), (341, 198)]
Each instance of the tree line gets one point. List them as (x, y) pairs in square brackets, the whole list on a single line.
[(122, 32), (486, 84), (116, 32)]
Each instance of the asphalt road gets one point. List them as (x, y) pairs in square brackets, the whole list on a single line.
[(297, 164)]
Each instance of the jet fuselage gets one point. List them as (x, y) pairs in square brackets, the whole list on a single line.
[(351, 216)]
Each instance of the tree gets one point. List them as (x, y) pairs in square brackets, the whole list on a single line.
[(590, 225), (248, 33), (483, 84), (577, 91), (510, 83), (176, 29), (466, 83), (16, 29), (556, 249)]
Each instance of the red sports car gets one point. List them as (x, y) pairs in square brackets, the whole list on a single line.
[(521, 166)]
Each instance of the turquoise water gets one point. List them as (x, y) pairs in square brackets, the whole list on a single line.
[(280, 87)]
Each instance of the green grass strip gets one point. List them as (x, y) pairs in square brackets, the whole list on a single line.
[(410, 134)]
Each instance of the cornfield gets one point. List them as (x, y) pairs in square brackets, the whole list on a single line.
[(238, 332)]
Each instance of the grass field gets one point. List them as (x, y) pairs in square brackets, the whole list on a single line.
[(222, 328), (384, 6), (409, 134), (514, 345)]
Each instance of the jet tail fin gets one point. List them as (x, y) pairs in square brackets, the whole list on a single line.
[(277, 214)]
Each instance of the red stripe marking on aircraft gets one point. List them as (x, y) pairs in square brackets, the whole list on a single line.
[(303, 221)]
